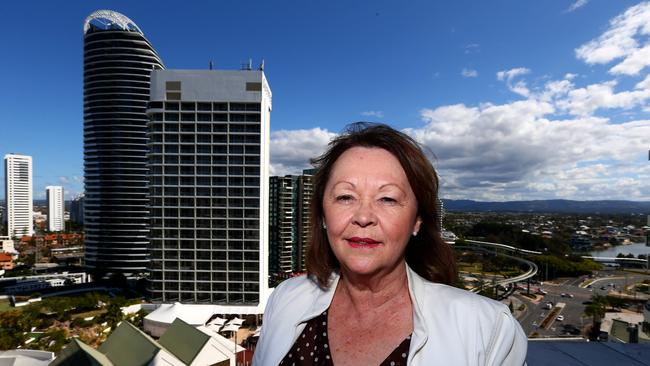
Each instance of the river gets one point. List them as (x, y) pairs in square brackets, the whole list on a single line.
[(635, 248)]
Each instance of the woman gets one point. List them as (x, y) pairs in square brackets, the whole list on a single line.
[(378, 285)]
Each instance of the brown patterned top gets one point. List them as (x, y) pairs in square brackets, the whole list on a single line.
[(312, 347)]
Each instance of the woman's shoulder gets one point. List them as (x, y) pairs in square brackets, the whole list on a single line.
[(434, 295), (460, 297), (485, 324), (296, 287)]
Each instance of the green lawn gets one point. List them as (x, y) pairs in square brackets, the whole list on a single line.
[(5, 305), (88, 314)]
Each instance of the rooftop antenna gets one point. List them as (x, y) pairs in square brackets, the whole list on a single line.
[(262, 65), (250, 64)]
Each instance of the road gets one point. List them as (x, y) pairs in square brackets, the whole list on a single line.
[(573, 310)]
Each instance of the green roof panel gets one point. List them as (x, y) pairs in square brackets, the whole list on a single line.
[(129, 346), (183, 341), (77, 353)]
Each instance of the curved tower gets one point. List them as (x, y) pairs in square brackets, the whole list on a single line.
[(118, 60)]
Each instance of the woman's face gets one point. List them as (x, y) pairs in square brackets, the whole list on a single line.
[(370, 211)]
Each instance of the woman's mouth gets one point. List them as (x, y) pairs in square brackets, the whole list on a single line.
[(356, 242)]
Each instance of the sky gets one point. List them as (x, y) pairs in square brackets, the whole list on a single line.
[(515, 100)]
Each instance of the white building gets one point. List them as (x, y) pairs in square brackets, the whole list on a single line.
[(19, 195), (55, 208), (209, 186), (8, 246)]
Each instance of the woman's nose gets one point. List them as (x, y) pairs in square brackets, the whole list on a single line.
[(364, 215)]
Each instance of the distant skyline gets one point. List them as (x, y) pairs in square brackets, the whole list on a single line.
[(517, 100)]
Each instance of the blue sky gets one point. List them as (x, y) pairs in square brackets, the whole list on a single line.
[(516, 99)]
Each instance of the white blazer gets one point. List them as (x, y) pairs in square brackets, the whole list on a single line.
[(450, 326)]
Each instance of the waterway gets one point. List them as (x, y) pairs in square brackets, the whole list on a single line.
[(634, 248)]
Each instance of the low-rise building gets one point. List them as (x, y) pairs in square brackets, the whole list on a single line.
[(6, 261), (181, 344)]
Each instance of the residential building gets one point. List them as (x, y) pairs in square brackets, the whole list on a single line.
[(29, 357), (6, 261), (77, 209), (55, 208), (181, 344), (19, 195), (305, 195), (118, 61), (283, 223), (209, 159), (290, 201)]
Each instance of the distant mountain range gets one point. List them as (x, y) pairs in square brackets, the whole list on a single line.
[(550, 206)]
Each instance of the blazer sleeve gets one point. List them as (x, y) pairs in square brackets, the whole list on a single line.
[(508, 344), (262, 348)]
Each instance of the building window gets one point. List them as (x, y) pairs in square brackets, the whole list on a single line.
[(256, 87)]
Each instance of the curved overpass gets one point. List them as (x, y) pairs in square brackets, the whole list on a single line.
[(532, 267)]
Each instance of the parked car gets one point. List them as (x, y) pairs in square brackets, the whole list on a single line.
[(570, 329), (560, 318), (603, 336)]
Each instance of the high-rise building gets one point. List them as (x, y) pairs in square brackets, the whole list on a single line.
[(55, 208), (283, 223), (118, 61), (441, 212), (305, 195), (77, 209), (289, 212), (209, 159), (19, 195)]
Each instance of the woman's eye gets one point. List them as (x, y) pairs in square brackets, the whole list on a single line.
[(344, 198), (388, 200)]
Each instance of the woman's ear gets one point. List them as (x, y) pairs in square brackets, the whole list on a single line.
[(416, 227)]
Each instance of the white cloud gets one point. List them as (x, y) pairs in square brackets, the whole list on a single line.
[(472, 48), (515, 150), (292, 149), (508, 75), (626, 39), (585, 101), (469, 73), (517, 87), (377, 114), (576, 5)]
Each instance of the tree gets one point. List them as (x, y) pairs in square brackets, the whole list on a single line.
[(113, 315), (596, 309)]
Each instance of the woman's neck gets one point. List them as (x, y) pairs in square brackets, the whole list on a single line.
[(374, 291)]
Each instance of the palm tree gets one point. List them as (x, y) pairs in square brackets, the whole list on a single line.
[(596, 310)]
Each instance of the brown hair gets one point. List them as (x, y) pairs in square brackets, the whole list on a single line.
[(426, 253)]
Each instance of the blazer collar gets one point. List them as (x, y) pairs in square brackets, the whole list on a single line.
[(416, 291)]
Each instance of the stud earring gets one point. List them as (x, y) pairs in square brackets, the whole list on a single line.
[(415, 233), (324, 225)]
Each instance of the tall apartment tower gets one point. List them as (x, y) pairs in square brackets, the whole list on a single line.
[(441, 212), (118, 61), (77, 209), (283, 224), (209, 159), (305, 195), (19, 195), (55, 208), (290, 203)]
